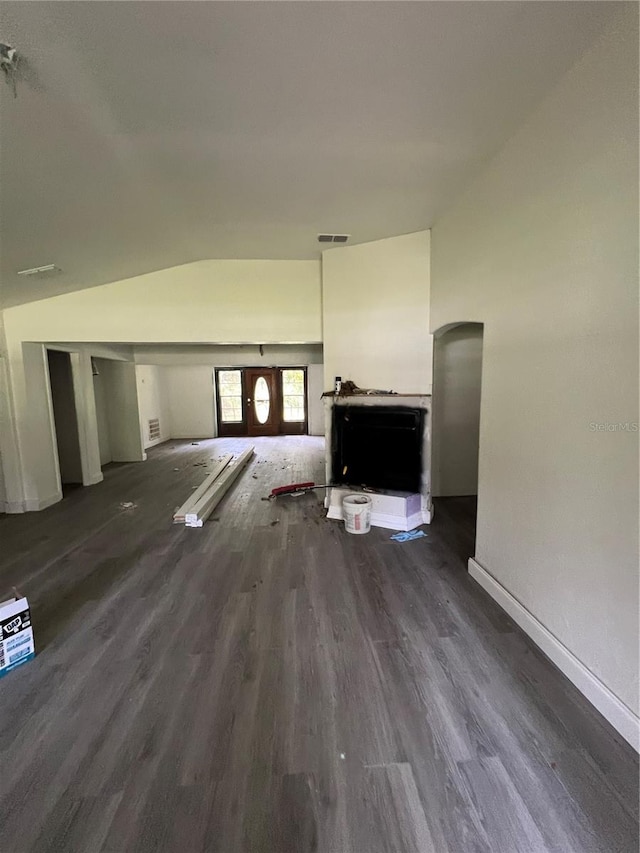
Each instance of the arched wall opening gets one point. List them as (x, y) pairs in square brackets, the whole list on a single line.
[(457, 386)]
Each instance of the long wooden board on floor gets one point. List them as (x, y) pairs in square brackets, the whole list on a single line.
[(207, 503), (180, 514)]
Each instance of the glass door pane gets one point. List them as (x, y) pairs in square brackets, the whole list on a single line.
[(230, 393), (293, 409), (263, 410), (262, 400)]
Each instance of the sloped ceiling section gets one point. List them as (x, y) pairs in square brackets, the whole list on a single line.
[(147, 135)]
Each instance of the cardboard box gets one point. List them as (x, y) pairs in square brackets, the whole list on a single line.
[(16, 634)]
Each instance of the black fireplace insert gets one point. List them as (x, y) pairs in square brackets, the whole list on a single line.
[(377, 446)]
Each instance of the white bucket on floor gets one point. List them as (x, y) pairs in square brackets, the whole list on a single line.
[(356, 510)]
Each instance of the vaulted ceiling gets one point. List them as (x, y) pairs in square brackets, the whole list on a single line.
[(145, 135)]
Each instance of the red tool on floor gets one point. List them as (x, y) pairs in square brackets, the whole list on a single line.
[(296, 489)]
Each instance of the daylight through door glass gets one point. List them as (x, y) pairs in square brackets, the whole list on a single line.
[(230, 393), (262, 400), (293, 395)]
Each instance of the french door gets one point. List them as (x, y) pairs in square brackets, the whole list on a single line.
[(255, 401)]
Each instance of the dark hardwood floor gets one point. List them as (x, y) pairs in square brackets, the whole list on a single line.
[(271, 684)]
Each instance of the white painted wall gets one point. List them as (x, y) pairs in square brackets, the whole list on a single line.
[(247, 355), (376, 314), (8, 455), (216, 301), (87, 420), (190, 400), (36, 435), (102, 415), (455, 420), (2, 489), (543, 249), (123, 413), (315, 387), (5, 412), (152, 403)]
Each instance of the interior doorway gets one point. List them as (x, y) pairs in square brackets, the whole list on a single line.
[(252, 401), (457, 388), (65, 417)]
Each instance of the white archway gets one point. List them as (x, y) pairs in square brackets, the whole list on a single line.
[(457, 384)]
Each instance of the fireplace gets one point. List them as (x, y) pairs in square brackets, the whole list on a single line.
[(380, 443), (377, 446)]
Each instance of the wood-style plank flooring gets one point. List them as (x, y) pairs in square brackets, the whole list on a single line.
[(271, 684)]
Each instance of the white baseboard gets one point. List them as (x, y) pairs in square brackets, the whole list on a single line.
[(156, 442), (612, 709), (94, 479), (192, 437), (141, 458), (12, 507), (42, 503)]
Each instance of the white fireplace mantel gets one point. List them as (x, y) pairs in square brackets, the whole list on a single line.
[(393, 510)]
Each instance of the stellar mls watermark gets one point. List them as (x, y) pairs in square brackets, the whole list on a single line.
[(617, 426)]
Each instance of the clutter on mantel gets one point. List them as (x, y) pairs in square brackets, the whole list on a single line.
[(347, 388)]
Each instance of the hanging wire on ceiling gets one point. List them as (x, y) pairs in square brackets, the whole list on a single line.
[(9, 63)]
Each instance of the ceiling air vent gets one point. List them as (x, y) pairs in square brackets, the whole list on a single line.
[(48, 269), (333, 238)]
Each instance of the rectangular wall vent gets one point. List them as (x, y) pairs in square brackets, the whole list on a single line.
[(333, 238), (154, 429)]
